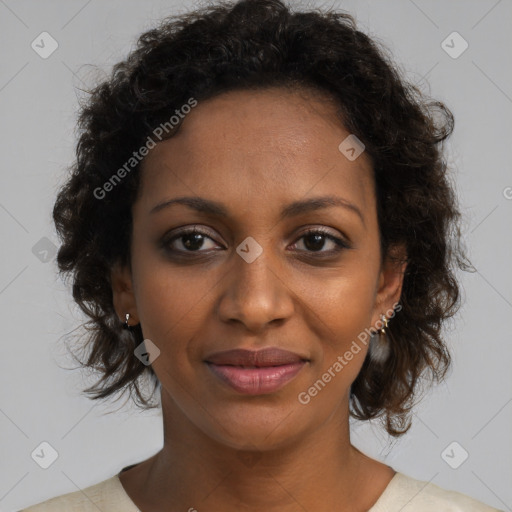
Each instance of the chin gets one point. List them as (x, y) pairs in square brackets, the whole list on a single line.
[(249, 426)]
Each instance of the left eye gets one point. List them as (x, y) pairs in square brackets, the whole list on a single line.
[(314, 241)]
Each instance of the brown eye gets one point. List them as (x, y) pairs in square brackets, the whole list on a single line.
[(191, 240), (316, 239)]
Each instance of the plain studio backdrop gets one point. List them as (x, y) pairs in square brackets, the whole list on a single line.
[(460, 438)]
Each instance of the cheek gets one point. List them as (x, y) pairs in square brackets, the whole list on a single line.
[(171, 319), (345, 299), (341, 311), (171, 302), (350, 306)]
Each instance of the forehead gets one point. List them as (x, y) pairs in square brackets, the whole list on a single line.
[(273, 142)]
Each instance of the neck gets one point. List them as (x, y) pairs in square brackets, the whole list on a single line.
[(321, 470)]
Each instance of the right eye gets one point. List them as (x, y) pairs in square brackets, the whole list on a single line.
[(191, 240)]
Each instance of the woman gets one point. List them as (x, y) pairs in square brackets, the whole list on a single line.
[(262, 201)]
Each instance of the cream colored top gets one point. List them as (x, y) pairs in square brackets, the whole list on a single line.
[(403, 493)]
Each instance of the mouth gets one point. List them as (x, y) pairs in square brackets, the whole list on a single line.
[(255, 372)]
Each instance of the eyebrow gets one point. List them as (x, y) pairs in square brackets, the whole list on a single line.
[(208, 206)]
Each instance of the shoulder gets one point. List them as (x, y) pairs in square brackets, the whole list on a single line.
[(107, 496), (410, 495)]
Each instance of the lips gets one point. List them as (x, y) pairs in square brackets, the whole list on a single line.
[(260, 358), (255, 372)]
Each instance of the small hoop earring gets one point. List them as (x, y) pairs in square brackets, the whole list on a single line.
[(379, 348)]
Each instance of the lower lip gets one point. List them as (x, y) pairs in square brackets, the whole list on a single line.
[(256, 381)]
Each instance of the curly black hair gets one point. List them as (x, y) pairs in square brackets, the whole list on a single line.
[(254, 44)]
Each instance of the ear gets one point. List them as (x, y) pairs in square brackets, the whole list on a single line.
[(389, 287), (122, 293)]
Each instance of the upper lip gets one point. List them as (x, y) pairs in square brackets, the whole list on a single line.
[(271, 356)]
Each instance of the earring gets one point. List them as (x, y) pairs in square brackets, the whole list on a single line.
[(125, 325), (379, 345)]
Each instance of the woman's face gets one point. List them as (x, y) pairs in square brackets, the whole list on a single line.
[(254, 278)]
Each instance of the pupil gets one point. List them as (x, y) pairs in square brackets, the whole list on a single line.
[(198, 239), (317, 244)]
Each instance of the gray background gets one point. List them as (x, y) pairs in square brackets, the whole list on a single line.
[(40, 400)]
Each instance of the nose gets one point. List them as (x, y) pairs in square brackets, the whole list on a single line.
[(255, 294)]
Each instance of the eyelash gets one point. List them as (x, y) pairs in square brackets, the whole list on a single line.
[(340, 243)]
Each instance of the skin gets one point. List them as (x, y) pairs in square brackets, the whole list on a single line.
[(256, 152)]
